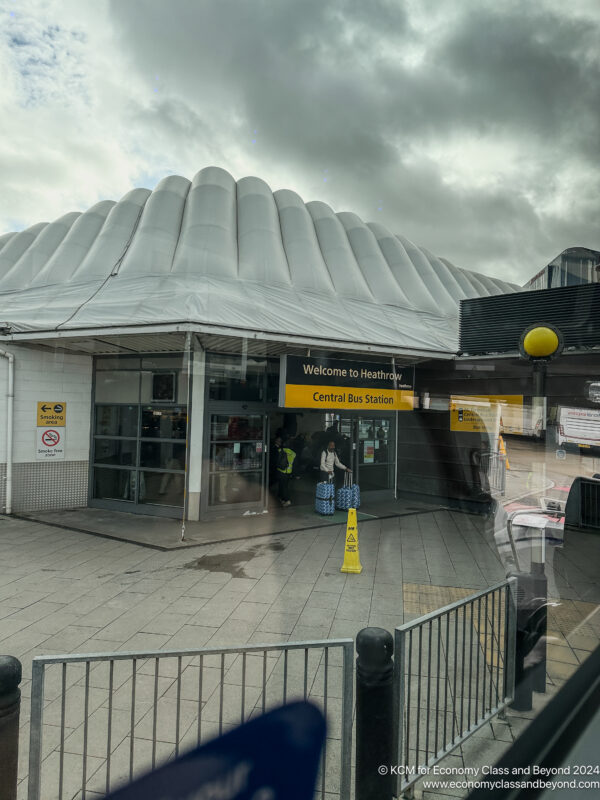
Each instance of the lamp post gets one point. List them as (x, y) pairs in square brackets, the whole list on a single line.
[(539, 344)]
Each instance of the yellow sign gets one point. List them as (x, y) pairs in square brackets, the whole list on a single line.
[(357, 399), (51, 413), (351, 555), (479, 414)]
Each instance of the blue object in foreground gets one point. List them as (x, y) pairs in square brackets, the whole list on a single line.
[(273, 757)]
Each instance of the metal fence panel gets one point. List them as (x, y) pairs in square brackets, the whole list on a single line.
[(590, 504), (99, 720), (454, 671), (494, 466)]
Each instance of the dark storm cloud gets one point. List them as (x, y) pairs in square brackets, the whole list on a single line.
[(382, 99), (530, 68)]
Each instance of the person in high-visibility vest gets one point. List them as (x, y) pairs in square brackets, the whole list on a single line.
[(285, 457), (502, 449)]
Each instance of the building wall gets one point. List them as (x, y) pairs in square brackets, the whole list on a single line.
[(49, 376)]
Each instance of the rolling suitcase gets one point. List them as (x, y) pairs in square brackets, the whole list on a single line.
[(343, 498), (325, 498), (348, 496)]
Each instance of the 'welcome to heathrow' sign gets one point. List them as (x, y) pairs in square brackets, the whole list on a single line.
[(355, 385)]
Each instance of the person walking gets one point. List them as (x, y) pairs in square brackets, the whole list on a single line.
[(285, 463), (330, 460)]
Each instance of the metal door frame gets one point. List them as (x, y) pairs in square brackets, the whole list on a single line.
[(229, 408), (355, 417), (134, 506)]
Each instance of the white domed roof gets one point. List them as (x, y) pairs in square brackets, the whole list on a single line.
[(234, 254)]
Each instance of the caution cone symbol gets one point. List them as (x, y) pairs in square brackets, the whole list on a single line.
[(351, 555), (502, 450)]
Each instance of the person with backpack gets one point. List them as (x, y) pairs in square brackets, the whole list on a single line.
[(330, 460), (284, 460)]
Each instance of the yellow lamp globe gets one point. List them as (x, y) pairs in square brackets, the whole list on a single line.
[(541, 342)]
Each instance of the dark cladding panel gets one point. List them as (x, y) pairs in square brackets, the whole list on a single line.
[(495, 324)]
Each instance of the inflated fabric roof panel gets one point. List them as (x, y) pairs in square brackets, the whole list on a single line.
[(75, 246), (261, 256), (377, 272), (112, 242), (237, 256), (14, 249), (153, 245), (301, 244), (346, 275), (39, 253), (5, 239), (208, 241)]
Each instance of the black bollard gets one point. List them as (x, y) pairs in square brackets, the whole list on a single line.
[(374, 714), (10, 706), (522, 698), (530, 655), (539, 625)]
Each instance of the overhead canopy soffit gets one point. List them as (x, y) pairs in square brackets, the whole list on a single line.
[(235, 254)]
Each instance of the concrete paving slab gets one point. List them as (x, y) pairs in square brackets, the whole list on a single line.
[(105, 595), (162, 533)]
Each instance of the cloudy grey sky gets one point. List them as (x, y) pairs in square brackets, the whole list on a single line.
[(470, 126)]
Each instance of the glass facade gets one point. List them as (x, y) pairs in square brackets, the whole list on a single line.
[(236, 459), (139, 431), (239, 459), (235, 378)]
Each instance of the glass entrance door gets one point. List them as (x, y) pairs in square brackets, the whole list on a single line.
[(373, 452), (236, 461), (376, 453)]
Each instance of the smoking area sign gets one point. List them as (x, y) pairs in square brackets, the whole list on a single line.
[(51, 413), (50, 443)]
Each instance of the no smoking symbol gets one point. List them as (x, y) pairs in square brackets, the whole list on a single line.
[(50, 438)]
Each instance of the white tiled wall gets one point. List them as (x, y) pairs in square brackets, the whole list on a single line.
[(49, 376)]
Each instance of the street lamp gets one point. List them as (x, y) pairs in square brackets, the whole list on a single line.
[(539, 343)]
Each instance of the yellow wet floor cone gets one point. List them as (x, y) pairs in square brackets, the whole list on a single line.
[(351, 554)]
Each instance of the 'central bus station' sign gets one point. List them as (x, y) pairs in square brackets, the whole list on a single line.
[(354, 385)]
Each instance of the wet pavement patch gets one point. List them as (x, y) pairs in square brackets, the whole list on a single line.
[(233, 563)]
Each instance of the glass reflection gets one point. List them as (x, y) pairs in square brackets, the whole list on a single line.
[(114, 484), (121, 452), (164, 423), (116, 420), (162, 455), (236, 427), (162, 488)]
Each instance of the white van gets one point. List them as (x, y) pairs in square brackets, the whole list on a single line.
[(526, 419), (580, 426)]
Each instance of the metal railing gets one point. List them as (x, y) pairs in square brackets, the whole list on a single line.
[(583, 504), (454, 671), (100, 720), (590, 504), (495, 466)]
